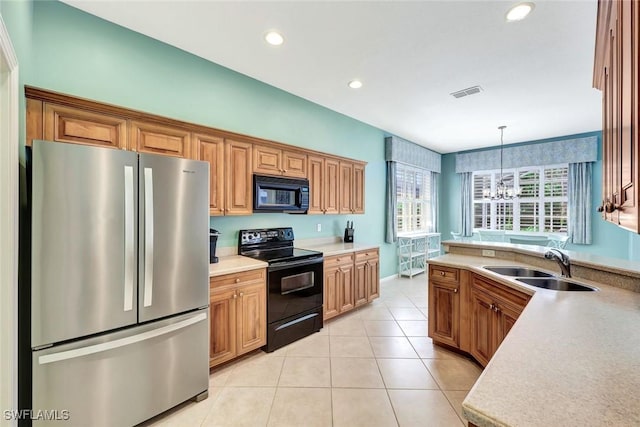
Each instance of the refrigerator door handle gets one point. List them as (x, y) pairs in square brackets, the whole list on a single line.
[(99, 348), (148, 236), (129, 254)]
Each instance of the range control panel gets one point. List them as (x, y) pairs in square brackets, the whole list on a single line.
[(265, 235)]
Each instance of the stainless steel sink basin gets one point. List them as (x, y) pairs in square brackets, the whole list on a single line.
[(515, 271), (556, 283)]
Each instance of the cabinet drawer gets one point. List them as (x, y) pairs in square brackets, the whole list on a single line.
[(338, 260), (444, 274), (238, 279), (366, 255), (501, 293)]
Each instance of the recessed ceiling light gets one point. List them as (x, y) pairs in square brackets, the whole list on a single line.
[(274, 38), (519, 12), (355, 84)]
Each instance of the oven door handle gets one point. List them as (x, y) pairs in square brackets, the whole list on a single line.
[(276, 266)]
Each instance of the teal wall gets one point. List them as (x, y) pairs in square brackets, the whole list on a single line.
[(608, 239), (63, 49)]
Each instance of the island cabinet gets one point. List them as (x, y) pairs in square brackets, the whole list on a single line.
[(367, 276), (338, 285), (274, 161), (324, 185), (616, 74), (238, 314), (494, 310), (448, 306)]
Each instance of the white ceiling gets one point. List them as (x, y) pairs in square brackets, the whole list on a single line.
[(535, 74)]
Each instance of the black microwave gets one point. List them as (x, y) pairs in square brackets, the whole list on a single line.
[(278, 194)]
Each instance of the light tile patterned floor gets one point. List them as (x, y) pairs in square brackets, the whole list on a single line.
[(372, 367)]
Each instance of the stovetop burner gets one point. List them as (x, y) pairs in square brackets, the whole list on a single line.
[(272, 245)]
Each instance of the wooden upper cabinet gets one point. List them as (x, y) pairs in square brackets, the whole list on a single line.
[(346, 188), (160, 139), (315, 166), (68, 124), (274, 161), (211, 149), (238, 178), (331, 186), (616, 75), (358, 188)]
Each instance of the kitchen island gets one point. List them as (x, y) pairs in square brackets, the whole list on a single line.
[(571, 358)]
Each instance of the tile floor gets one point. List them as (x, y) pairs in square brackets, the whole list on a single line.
[(374, 366)]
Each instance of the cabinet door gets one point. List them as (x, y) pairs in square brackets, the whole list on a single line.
[(68, 124), (345, 204), (158, 139), (331, 186), (507, 316), (316, 185), (267, 160), (223, 338), (252, 317), (238, 184), (373, 277), (294, 164), (358, 189), (444, 312), (346, 299), (361, 282), (483, 327), (211, 149), (332, 279)]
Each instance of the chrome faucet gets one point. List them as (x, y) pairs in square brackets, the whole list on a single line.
[(562, 259)]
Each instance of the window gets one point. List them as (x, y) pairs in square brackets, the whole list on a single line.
[(541, 207), (413, 191)]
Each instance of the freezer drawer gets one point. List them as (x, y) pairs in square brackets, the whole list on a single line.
[(124, 378)]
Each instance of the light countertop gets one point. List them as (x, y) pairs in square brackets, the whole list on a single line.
[(572, 358), (338, 248), (234, 264)]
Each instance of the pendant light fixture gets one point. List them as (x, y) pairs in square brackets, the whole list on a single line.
[(503, 192)]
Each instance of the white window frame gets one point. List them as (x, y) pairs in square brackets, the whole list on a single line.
[(410, 219), (541, 199)]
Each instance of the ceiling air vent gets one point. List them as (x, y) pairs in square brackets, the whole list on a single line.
[(468, 91)]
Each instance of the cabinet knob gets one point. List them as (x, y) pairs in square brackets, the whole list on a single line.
[(442, 273), (455, 290), (235, 296), (241, 294), (237, 280), (491, 307)]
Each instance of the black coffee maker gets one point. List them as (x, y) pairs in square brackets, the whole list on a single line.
[(213, 239)]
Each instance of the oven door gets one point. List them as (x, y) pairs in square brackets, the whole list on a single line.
[(294, 287)]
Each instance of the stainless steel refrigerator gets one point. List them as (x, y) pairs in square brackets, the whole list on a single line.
[(119, 283)]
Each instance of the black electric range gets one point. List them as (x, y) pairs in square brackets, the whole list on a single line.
[(294, 281)]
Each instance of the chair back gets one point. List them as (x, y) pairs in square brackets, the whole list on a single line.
[(456, 236), (491, 235), (558, 241), (535, 241)]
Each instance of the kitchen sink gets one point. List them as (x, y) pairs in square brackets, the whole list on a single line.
[(556, 283), (515, 271)]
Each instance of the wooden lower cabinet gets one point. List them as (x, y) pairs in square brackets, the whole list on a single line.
[(338, 285), (445, 305), (367, 276), (495, 309), (470, 312), (350, 280), (238, 314)]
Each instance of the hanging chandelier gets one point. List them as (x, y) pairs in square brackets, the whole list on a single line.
[(503, 192)]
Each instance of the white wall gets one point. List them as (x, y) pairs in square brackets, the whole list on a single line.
[(8, 224)]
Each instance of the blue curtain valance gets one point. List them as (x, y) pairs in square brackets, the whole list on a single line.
[(576, 150), (403, 151)]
